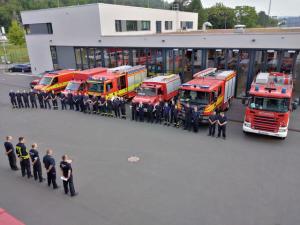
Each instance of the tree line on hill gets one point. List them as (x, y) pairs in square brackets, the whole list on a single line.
[(219, 15)]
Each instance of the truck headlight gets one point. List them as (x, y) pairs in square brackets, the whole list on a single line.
[(282, 129), (247, 124)]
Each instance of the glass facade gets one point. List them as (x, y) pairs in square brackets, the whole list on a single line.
[(189, 61)]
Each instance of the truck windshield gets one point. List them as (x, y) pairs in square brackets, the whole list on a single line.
[(96, 87), (269, 104), (194, 97), (72, 86), (146, 91), (46, 81)]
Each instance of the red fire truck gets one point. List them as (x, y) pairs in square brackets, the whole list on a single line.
[(270, 104), (158, 88), (210, 90), (121, 81), (80, 77), (56, 80)]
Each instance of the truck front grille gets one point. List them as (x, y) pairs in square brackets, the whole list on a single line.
[(265, 123)]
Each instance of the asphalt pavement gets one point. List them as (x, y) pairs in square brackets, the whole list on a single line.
[(182, 178)]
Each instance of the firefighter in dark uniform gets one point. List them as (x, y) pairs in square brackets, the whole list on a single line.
[(36, 163), (19, 100), (123, 108), (116, 107), (25, 96), (53, 97), (157, 110), (76, 101), (162, 104), (80, 99), (150, 112), (109, 106), (91, 105), (222, 121), (102, 105), (40, 98), (172, 107), (67, 174), (166, 115), (32, 97), (70, 100), (24, 157), (46, 98), (10, 152), (212, 122), (94, 100), (195, 119), (141, 111), (13, 100), (63, 101), (175, 116), (188, 117), (133, 110), (49, 164), (86, 103)]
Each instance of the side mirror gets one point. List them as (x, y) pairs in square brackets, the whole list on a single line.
[(245, 100)]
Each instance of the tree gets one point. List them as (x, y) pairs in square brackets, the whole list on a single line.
[(221, 16), (246, 15), (196, 6), (264, 20), (16, 34)]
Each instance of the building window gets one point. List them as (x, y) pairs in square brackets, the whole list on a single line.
[(145, 25), (27, 28), (49, 28), (131, 25), (118, 24), (168, 25), (54, 57), (38, 28), (186, 25)]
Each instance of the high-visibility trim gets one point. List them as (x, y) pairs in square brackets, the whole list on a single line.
[(57, 86), (213, 106), (121, 92)]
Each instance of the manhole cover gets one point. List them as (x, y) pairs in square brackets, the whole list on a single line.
[(133, 159)]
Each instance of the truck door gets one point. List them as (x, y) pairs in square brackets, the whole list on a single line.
[(122, 86)]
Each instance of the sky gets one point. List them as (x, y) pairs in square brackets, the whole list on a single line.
[(278, 7)]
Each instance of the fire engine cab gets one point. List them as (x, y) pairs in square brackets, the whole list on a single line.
[(120, 81), (56, 80), (78, 84), (157, 89), (210, 90), (269, 105)]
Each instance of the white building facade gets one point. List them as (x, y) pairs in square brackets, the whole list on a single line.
[(94, 35)]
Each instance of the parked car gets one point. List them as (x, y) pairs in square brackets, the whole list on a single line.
[(24, 68)]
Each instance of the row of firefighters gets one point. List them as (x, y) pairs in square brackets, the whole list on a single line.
[(162, 112)]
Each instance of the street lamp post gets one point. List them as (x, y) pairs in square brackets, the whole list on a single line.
[(270, 4)]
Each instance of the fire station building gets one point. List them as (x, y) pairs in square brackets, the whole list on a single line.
[(166, 41)]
